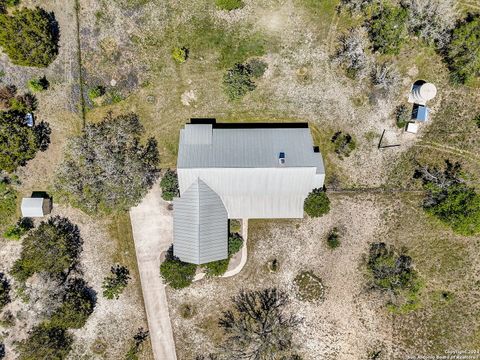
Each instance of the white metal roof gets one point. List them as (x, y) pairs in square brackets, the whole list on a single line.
[(200, 225), (32, 207)]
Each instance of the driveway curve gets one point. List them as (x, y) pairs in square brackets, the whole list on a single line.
[(152, 226)]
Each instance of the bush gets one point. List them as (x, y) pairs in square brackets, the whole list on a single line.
[(187, 311), (107, 168), (385, 77), (138, 340), (114, 285), (53, 248), (351, 53), (476, 120), (393, 272), (180, 54), (257, 67), (8, 203), (78, 303), (29, 37), (38, 85), (463, 51), (229, 4), (238, 81), (4, 291), (343, 143), (169, 185), (15, 232), (24, 104), (317, 203), (402, 116), (356, 6), (309, 286), (235, 243), (216, 268), (388, 29), (177, 273), (45, 342), (333, 238), (96, 92), (449, 199)]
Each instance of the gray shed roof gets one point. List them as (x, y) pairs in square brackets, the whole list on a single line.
[(207, 146), (200, 225), (32, 207)]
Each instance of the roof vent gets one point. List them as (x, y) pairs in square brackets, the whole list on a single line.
[(281, 158)]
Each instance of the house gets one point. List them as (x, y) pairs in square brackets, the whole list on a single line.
[(239, 171)]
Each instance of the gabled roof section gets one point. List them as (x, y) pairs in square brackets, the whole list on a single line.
[(247, 146), (200, 225)]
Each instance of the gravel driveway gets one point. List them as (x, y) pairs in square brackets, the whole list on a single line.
[(152, 232)]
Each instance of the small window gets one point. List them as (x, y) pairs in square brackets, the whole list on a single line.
[(281, 158)]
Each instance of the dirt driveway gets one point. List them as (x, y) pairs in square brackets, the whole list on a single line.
[(152, 231)]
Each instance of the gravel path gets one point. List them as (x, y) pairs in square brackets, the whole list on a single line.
[(152, 231)]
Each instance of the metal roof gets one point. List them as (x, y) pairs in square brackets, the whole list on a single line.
[(421, 113), (32, 207), (200, 225), (207, 146)]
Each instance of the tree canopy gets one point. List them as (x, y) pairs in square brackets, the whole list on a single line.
[(18, 142), (29, 37), (45, 342), (463, 51), (78, 303), (114, 284), (388, 29), (169, 185), (258, 326), (107, 168), (52, 248), (449, 198)]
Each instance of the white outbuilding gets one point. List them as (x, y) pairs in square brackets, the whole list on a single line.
[(35, 207)]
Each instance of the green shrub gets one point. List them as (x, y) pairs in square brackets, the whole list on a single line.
[(52, 248), (463, 51), (29, 37), (38, 85), (138, 340), (344, 144), (8, 203), (257, 67), (238, 81), (176, 273), (114, 284), (333, 238), (450, 199), (180, 54), (4, 291), (169, 185), (216, 268), (317, 203), (309, 286), (24, 104), (388, 29), (96, 92), (45, 342), (15, 232), (235, 243), (187, 311), (402, 116), (229, 4), (78, 304), (394, 272)]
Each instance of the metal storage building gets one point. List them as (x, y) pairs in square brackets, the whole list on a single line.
[(35, 207)]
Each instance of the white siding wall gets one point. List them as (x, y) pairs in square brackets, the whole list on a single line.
[(257, 193)]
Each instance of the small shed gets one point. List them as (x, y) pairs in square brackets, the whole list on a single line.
[(420, 113), (35, 207), (412, 127)]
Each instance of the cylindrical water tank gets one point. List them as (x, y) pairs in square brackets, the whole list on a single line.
[(424, 92)]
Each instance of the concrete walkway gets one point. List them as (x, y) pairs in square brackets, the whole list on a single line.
[(152, 232)]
